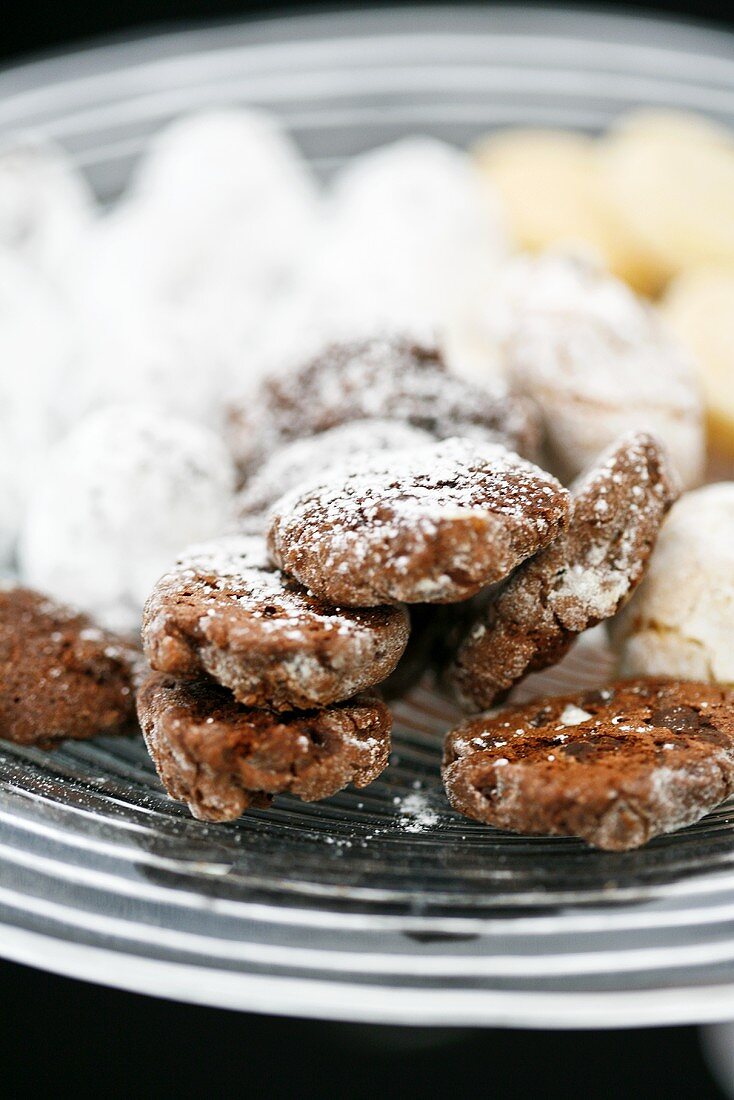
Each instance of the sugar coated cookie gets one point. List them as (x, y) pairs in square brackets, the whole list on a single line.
[(226, 611), (431, 525), (616, 767), (220, 757), (60, 675), (579, 580)]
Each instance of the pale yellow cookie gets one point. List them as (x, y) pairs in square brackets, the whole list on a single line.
[(699, 307), (671, 179), (553, 193)]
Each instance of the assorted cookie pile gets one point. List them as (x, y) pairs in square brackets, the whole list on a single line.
[(324, 447)]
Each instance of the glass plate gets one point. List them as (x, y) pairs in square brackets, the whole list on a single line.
[(357, 908)]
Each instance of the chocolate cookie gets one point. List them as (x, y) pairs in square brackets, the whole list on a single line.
[(336, 449), (581, 579), (225, 611), (389, 379), (60, 675), (431, 525), (221, 757), (616, 767)]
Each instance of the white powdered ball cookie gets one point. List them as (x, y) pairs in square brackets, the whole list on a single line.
[(37, 351), (598, 361), (46, 206), (680, 621), (411, 241), (119, 498)]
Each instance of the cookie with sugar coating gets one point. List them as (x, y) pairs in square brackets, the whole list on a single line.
[(581, 579), (432, 525), (221, 758), (681, 619), (598, 362), (226, 612), (616, 767)]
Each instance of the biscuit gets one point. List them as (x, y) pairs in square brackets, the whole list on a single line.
[(224, 611), (699, 307), (220, 757), (60, 675), (393, 379), (582, 578), (335, 449), (597, 360), (680, 621), (616, 767), (431, 525)]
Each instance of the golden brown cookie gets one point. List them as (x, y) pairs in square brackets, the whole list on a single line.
[(616, 767), (582, 578), (225, 611), (61, 676), (431, 525), (220, 757)]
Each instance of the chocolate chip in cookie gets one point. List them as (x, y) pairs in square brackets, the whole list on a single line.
[(225, 611), (61, 676), (616, 767), (221, 758), (582, 578), (432, 525)]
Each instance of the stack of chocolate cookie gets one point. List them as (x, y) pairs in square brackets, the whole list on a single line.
[(374, 483)]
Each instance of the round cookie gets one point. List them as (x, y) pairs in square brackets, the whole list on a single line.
[(120, 496), (597, 360), (431, 525), (582, 578), (680, 622), (220, 757), (616, 767), (60, 675), (335, 449), (386, 378), (225, 611)]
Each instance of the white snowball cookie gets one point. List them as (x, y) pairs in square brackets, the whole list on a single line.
[(38, 352), (680, 622), (121, 495), (411, 240), (597, 359), (46, 206)]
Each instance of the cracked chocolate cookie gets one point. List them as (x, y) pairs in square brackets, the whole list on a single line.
[(61, 676), (389, 379), (616, 767), (432, 525), (220, 757), (225, 611), (582, 578)]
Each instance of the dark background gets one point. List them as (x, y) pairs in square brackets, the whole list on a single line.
[(104, 1043)]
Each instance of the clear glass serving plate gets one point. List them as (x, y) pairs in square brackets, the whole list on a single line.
[(358, 908)]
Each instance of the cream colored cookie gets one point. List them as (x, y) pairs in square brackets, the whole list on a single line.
[(554, 192), (680, 622), (597, 360), (671, 177), (699, 307)]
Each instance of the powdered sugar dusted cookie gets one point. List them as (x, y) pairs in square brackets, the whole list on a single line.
[(680, 622), (390, 379), (60, 675), (226, 611), (582, 578), (597, 360), (121, 495), (431, 525), (220, 757), (336, 449), (616, 767)]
